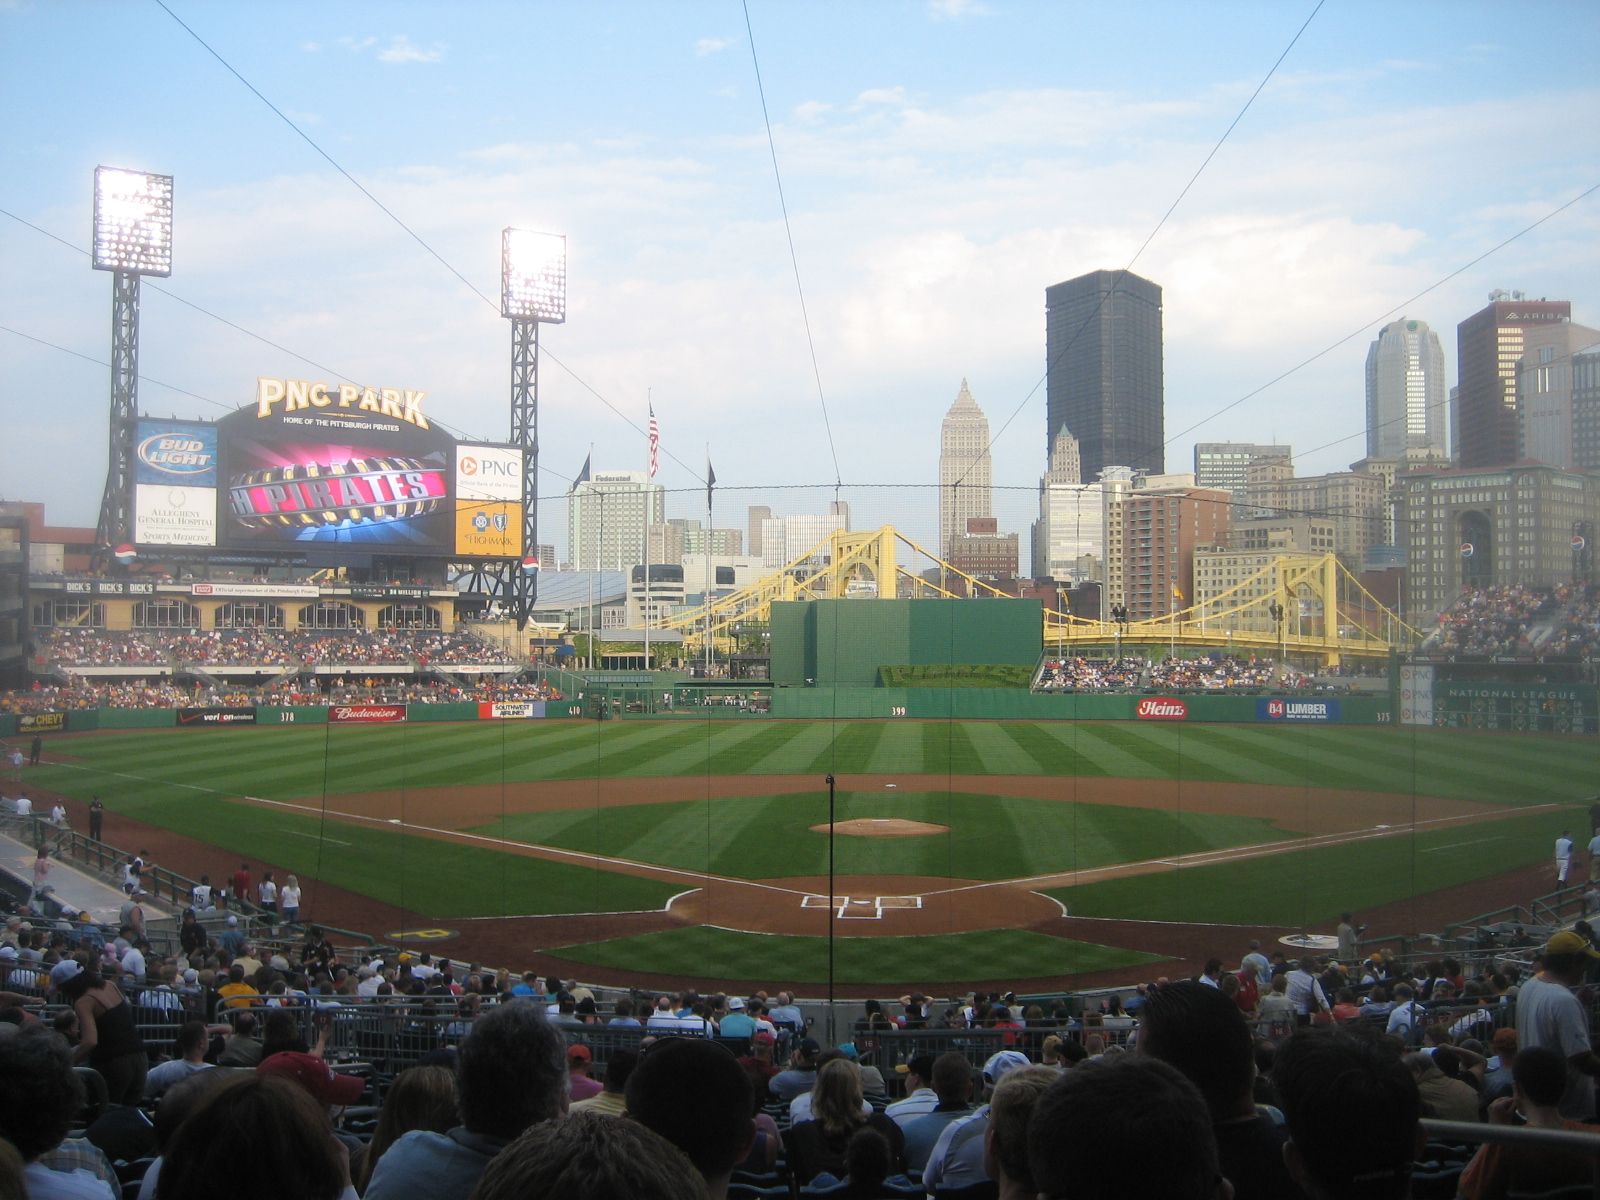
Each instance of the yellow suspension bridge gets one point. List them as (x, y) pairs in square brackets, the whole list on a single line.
[(1300, 604)]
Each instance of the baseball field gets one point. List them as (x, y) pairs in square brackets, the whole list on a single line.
[(962, 852)]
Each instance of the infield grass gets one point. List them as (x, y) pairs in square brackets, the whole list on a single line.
[(729, 954), (987, 837), (183, 780)]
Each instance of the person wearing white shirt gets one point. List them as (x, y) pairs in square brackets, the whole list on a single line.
[(24, 807), (1563, 858), (58, 814)]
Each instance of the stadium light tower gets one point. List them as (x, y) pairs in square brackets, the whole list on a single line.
[(533, 289), (132, 237)]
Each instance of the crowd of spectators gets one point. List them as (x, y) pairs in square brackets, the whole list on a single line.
[(1285, 1078), (1218, 672), (1499, 620), (1576, 627), (164, 693), (1092, 675), (267, 648)]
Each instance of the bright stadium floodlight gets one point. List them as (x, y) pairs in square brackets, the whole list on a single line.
[(132, 222), (533, 276)]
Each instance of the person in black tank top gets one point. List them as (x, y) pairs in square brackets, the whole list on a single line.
[(108, 1039)]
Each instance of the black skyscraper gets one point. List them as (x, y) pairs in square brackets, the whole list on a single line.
[(1105, 379)]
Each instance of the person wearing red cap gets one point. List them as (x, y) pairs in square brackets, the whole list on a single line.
[(579, 1085)]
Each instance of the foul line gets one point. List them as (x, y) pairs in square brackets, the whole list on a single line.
[(1236, 853), (316, 837)]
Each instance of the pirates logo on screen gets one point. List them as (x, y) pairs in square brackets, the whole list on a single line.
[(355, 494)]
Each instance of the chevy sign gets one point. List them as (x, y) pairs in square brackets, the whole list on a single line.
[(1297, 710)]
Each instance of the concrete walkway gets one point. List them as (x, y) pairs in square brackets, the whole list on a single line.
[(71, 886)]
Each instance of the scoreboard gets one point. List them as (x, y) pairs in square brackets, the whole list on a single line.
[(316, 464)]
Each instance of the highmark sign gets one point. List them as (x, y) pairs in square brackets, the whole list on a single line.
[(276, 396)]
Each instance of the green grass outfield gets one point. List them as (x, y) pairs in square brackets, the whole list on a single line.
[(183, 780)]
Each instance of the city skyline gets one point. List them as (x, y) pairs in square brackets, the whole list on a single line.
[(929, 207)]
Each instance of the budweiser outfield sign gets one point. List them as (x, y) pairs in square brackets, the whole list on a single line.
[(1162, 708), (366, 714)]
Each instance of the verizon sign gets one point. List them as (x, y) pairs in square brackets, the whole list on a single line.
[(366, 714), (1162, 708)]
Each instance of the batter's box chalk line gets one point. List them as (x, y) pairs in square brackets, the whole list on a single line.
[(863, 908)]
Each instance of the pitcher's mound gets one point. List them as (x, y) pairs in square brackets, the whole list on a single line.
[(882, 827)]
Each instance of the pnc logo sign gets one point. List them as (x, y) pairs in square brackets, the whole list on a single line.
[(1162, 708)]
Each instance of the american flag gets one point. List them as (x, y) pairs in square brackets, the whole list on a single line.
[(655, 443)]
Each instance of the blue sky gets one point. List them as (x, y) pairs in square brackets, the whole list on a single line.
[(943, 164)]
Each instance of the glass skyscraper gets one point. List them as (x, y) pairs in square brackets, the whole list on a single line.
[(1104, 380)]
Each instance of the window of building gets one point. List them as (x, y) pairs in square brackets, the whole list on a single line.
[(165, 614)]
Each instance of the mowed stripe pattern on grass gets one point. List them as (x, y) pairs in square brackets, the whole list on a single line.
[(988, 837), (291, 763), (729, 954), (1302, 887)]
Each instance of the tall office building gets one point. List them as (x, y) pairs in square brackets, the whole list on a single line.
[(1586, 410), (1530, 524), (1161, 530), (1226, 465), (1104, 371), (607, 516), (1069, 536), (785, 539), (1488, 345), (1406, 391), (964, 469), (1545, 391)]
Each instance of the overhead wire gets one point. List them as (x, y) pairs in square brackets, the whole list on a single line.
[(182, 391), (788, 229), (1150, 237), (410, 232), (1401, 307)]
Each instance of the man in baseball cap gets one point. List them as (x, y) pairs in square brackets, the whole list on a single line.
[(1550, 1015), (957, 1157)]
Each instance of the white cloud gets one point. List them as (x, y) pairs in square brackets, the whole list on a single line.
[(711, 45), (400, 50), (311, 47), (357, 45), (303, 118), (954, 10), (809, 110), (894, 95)]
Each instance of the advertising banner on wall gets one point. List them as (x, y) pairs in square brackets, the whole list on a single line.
[(216, 717), (301, 591), (1162, 708), (366, 714), (1285, 709), (175, 483), (515, 710), (1416, 695), (488, 473), (41, 722)]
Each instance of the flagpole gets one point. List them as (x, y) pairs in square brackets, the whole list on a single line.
[(650, 475), (710, 479)]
